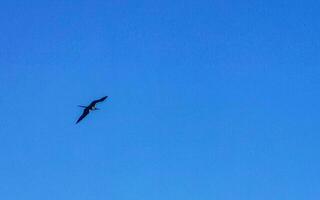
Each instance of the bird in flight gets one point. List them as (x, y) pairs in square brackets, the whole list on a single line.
[(90, 107)]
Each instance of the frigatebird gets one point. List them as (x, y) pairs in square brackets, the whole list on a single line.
[(90, 107)]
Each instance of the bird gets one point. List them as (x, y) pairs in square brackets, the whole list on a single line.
[(90, 107)]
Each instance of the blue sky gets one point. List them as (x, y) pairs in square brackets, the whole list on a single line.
[(208, 100)]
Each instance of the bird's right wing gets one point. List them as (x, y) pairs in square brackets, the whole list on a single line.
[(84, 114)]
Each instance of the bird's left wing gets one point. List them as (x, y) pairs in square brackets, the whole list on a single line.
[(99, 100)]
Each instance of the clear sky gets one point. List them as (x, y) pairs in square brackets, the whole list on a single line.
[(209, 100)]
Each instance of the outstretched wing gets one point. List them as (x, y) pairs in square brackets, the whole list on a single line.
[(84, 114), (98, 101)]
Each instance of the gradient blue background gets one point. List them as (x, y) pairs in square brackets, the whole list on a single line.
[(209, 100)]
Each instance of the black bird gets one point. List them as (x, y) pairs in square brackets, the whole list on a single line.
[(90, 107)]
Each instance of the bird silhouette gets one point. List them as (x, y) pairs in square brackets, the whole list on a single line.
[(90, 107)]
